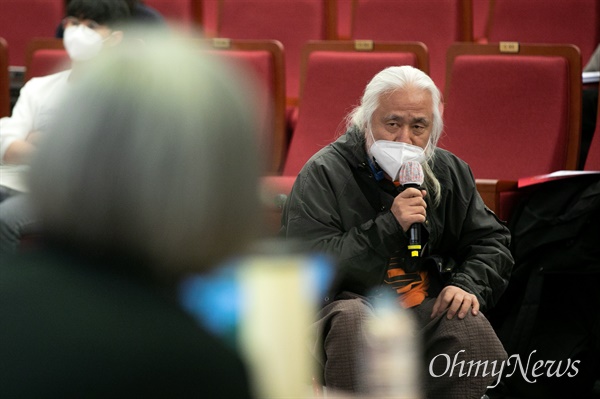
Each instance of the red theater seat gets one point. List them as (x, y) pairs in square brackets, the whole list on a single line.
[(512, 111), (45, 56), (334, 76), (547, 21), (23, 20), (263, 61), (292, 23), (437, 23)]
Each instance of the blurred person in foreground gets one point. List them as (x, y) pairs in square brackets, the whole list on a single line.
[(91, 27), (145, 176), (347, 202)]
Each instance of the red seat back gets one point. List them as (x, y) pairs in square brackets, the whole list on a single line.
[(334, 76), (437, 23), (46, 62), (547, 21), (23, 20), (291, 23), (45, 56), (262, 60), (512, 115)]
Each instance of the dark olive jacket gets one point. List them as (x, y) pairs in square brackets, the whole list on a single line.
[(338, 207)]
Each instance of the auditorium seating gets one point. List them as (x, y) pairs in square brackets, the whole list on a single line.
[(437, 23), (263, 61), (23, 20), (4, 80), (334, 75), (297, 22), (45, 56), (547, 21), (512, 110), (292, 23)]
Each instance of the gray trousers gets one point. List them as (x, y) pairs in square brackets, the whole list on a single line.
[(17, 220), (338, 344)]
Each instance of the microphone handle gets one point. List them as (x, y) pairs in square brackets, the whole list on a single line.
[(414, 240), (414, 231)]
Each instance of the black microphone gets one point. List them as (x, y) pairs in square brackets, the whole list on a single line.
[(411, 175)]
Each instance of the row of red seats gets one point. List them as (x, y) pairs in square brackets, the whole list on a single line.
[(23, 20), (512, 111), (266, 59), (437, 23)]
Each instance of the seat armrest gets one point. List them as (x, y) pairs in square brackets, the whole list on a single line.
[(274, 191), (491, 191)]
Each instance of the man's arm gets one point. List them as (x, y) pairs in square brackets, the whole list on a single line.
[(335, 218), (19, 151), (483, 254), (16, 136)]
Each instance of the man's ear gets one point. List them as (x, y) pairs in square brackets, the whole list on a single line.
[(441, 106), (115, 38)]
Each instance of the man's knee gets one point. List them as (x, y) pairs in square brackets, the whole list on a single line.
[(344, 343), (476, 336), (349, 314), (487, 337)]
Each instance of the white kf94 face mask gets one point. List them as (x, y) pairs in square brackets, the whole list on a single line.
[(82, 43), (390, 155)]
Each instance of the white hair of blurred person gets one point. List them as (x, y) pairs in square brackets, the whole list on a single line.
[(154, 155)]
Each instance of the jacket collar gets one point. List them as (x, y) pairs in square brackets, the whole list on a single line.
[(351, 145)]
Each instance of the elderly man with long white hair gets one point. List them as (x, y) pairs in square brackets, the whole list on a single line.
[(432, 243)]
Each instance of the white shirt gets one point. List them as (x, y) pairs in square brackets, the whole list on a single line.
[(34, 109)]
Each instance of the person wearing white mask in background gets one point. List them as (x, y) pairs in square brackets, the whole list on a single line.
[(90, 26), (348, 202)]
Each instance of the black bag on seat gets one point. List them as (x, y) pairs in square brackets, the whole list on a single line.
[(552, 303)]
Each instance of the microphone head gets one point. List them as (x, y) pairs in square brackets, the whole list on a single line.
[(411, 172)]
